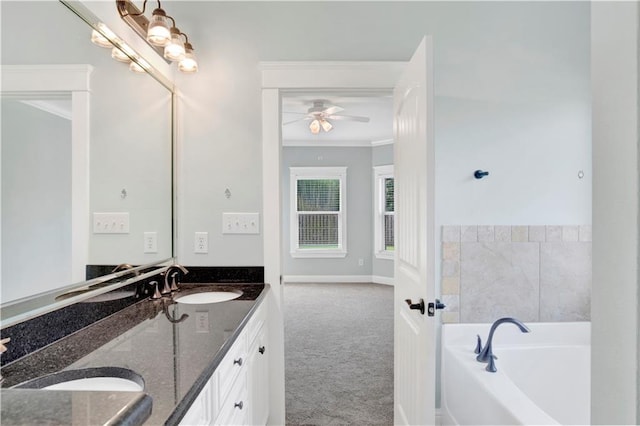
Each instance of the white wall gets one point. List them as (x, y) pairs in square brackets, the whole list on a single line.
[(512, 86), (359, 193), (615, 313)]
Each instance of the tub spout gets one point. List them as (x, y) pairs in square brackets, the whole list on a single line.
[(486, 354)]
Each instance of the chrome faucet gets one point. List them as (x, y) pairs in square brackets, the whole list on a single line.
[(486, 354), (171, 273)]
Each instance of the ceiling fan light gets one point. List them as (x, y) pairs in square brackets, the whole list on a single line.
[(314, 126), (326, 125), (158, 33)]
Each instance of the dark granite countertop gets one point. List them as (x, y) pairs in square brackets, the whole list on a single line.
[(175, 347)]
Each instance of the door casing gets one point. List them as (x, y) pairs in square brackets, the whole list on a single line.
[(278, 77)]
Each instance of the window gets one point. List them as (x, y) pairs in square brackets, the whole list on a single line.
[(384, 235), (318, 211)]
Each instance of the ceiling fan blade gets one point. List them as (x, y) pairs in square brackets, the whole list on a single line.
[(332, 110), (349, 117), (295, 113), (296, 120)]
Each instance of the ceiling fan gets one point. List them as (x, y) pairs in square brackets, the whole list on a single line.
[(320, 114)]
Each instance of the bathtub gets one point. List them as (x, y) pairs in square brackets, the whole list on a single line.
[(543, 377)]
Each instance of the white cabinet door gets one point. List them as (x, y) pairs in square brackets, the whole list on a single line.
[(199, 413), (258, 379)]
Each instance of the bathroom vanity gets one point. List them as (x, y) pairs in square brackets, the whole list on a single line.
[(203, 363)]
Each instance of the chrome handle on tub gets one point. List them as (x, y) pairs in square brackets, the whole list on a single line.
[(237, 361), (261, 349), (238, 405)]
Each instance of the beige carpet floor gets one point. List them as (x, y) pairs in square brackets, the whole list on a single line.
[(338, 354)]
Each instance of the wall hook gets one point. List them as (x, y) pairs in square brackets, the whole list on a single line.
[(479, 174), (123, 193), (227, 193)]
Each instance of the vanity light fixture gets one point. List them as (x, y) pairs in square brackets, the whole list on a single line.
[(166, 40), (174, 50), (188, 64), (119, 55), (100, 40), (158, 33), (102, 36)]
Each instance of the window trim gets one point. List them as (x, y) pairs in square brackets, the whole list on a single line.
[(295, 173), (380, 173)]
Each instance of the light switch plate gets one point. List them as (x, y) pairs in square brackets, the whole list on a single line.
[(111, 223), (240, 223)]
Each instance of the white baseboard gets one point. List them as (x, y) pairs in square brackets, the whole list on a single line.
[(378, 279), (337, 279)]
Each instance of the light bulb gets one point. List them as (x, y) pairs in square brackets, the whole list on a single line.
[(119, 55), (314, 126), (188, 64), (158, 33), (326, 126), (100, 40), (174, 51)]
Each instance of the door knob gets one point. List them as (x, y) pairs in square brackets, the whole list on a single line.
[(418, 306), (433, 306)]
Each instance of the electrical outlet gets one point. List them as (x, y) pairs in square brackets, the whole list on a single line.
[(202, 321), (360, 262), (150, 242), (201, 242)]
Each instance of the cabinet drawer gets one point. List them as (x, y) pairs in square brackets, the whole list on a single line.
[(232, 365), (235, 408)]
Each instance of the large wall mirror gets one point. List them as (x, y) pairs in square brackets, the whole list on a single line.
[(99, 142)]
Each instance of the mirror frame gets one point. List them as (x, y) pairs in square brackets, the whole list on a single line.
[(21, 310)]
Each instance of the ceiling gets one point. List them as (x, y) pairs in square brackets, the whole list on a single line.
[(377, 106)]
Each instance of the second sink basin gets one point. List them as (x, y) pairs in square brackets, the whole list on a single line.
[(89, 379), (208, 297)]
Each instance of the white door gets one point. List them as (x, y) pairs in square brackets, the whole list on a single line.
[(414, 369)]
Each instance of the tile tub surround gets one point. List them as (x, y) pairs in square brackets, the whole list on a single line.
[(175, 359), (534, 273)]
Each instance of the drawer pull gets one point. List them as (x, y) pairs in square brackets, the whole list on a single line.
[(261, 349), (237, 361), (238, 405)]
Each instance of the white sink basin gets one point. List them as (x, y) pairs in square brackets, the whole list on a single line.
[(115, 384), (113, 379), (208, 297)]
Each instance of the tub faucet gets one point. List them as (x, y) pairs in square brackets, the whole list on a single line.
[(171, 273), (486, 354)]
